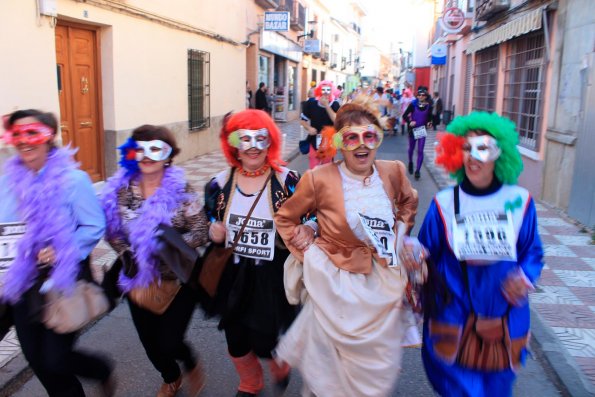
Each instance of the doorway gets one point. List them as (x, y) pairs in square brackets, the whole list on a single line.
[(79, 95)]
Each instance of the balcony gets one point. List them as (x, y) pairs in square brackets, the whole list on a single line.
[(325, 53), (298, 17), (268, 3), (485, 9)]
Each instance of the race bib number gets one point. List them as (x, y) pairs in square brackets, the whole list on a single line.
[(10, 233), (420, 132), (484, 236), (381, 236), (257, 240)]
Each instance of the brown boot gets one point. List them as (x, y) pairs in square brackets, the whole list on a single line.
[(195, 380), (170, 389)]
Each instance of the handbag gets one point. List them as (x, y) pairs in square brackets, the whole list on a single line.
[(304, 146), (157, 297), (64, 313), (485, 343), (216, 258)]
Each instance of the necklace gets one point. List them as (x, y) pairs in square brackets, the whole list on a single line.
[(366, 180), (253, 174)]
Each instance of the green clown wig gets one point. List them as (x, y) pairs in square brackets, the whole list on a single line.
[(509, 165)]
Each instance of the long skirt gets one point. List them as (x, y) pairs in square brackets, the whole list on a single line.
[(346, 340)]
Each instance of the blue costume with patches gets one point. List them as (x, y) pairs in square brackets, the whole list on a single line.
[(485, 280)]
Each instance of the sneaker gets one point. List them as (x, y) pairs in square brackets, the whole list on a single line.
[(410, 168), (195, 380), (417, 175), (170, 389)]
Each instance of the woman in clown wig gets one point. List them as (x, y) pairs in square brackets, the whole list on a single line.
[(250, 297), (483, 241), (346, 341)]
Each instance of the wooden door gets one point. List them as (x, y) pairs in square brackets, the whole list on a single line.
[(78, 90)]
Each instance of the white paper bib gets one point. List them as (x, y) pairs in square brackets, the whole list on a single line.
[(382, 237)]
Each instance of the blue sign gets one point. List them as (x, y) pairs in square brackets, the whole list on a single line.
[(277, 21), (438, 52)]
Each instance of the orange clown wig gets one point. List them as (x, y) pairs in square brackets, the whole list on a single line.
[(251, 119)]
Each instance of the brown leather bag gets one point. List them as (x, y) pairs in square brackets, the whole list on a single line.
[(485, 344), (216, 257), (69, 313), (157, 297)]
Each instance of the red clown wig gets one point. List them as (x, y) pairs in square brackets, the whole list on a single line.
[(251, 119)]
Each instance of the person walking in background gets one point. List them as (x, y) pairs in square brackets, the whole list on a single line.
[(143, 195), (261, 101), (404, 103), (347, 338), (484, 246), (43, 188), (437, 110), (248, 96), (317, 115), (418, 117), (250, 298)]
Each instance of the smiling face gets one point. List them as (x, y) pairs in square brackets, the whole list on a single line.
[(33, 149), (360, 144), (480, 173)]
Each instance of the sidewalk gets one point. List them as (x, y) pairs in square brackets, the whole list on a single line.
[(563, 305), (199, 171)]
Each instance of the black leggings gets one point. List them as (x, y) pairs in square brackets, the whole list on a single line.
[(241, 340), (52, 359), (162, 336)]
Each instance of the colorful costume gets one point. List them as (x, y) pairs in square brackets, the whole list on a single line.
[(496, 236)]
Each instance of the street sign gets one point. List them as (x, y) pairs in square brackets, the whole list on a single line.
[(311, 45), (276, 21), (452, 20)]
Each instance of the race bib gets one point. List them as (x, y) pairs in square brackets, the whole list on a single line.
[(484, 236), (10, 233), (257, 240), (420, 132), (381, 236)]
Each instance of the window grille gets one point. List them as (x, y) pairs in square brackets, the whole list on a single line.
[(486, 79), (524, 86), (198, 90)]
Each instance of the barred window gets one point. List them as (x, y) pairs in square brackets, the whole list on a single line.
[(524, 86), (198, 89), (486, 79)]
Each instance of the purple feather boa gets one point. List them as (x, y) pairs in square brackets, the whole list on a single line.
[(140, 232), (43, 205)]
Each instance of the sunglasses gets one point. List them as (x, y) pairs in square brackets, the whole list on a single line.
[(352, 137), (28, 134)]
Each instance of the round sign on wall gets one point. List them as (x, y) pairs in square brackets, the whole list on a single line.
[(452, 19)]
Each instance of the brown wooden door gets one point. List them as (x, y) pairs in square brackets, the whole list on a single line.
[(78, 90)]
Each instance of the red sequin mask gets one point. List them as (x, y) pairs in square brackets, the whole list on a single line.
[(28, 134)]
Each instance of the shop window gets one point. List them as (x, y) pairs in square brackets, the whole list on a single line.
[(198, 89), (486, 79), (524, 86), (263, 70), (291, 92)]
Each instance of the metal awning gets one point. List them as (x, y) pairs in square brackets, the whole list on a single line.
[(522, 25)]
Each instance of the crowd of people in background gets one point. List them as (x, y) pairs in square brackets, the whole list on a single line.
[(318, 272)]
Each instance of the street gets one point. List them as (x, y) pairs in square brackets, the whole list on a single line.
[(116, 337)]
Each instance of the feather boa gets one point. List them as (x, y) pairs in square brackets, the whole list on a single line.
[(42, 203), (141, 232)]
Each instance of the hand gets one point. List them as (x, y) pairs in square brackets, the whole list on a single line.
[(412, 124), (303, 237), (323, 101), (312, 131), (516, 289), (412, 254), (217, 232), (46, 255)]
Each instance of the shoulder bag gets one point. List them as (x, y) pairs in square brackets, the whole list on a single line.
[(216, 258)]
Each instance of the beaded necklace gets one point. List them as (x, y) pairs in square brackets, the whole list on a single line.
[(253, 174)]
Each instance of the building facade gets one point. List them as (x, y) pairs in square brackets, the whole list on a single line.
[(106, 67)]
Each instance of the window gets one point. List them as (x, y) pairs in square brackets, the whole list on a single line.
[(198, 90), (486, 79), (292, 92), (263, 70), (524, 86)]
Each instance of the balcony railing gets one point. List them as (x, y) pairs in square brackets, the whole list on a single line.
[(268, 3), (485, 9)]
